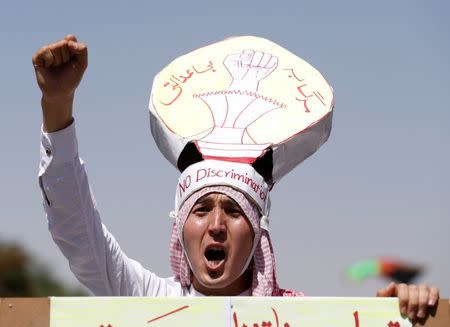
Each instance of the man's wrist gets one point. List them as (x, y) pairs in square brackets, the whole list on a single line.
[(57, 112), (57, 99)]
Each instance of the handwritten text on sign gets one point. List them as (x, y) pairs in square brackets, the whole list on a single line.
[(225, 311)]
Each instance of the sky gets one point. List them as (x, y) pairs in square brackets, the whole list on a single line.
[(380, 186)]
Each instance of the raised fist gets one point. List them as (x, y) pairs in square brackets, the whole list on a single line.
[(60, 66), (249, 67)]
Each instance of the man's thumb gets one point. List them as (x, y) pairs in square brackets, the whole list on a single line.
[(387, 291)]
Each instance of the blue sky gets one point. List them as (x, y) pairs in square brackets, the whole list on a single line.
[(379, 186)]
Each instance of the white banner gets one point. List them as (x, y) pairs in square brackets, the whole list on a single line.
[(225, 312)]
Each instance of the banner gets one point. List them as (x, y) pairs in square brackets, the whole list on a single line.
[(226, 312), (210, 311)]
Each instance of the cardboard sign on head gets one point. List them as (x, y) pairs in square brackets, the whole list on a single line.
[(242, 112)]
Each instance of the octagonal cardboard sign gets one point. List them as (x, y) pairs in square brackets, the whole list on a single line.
[(239, 97)]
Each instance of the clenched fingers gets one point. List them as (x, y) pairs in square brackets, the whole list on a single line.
[(414, 301), (61, 52), (427, 298), (52, 55)]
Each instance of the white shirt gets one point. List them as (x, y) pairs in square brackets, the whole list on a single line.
[(94, 255)]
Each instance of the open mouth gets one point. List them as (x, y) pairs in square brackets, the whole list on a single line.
[(215, 257)]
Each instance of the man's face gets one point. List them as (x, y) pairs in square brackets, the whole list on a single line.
[(218, 239)]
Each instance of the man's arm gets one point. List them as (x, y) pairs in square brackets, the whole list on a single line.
[(94, 255), (74, 222)]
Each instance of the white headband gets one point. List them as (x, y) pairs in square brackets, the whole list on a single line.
[(240, 176)]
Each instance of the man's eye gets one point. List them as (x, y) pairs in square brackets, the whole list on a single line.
[(200, 210), (234, 212)]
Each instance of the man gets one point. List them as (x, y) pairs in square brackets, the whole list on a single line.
[(219, 244)]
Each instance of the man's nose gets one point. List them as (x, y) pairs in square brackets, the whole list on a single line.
[(217, 221)]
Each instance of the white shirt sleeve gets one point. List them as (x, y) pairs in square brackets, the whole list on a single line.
[(74, 222)]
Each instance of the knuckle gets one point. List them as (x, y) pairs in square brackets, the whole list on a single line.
[(56, 45), (42, 51), (413, 288), (402, 287)]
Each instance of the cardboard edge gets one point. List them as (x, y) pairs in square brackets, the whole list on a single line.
[(439, 317), (30, 312)]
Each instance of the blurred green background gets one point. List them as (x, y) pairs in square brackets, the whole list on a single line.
[(22, 275)]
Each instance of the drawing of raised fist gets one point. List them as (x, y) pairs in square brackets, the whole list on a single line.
[(248, 68)]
